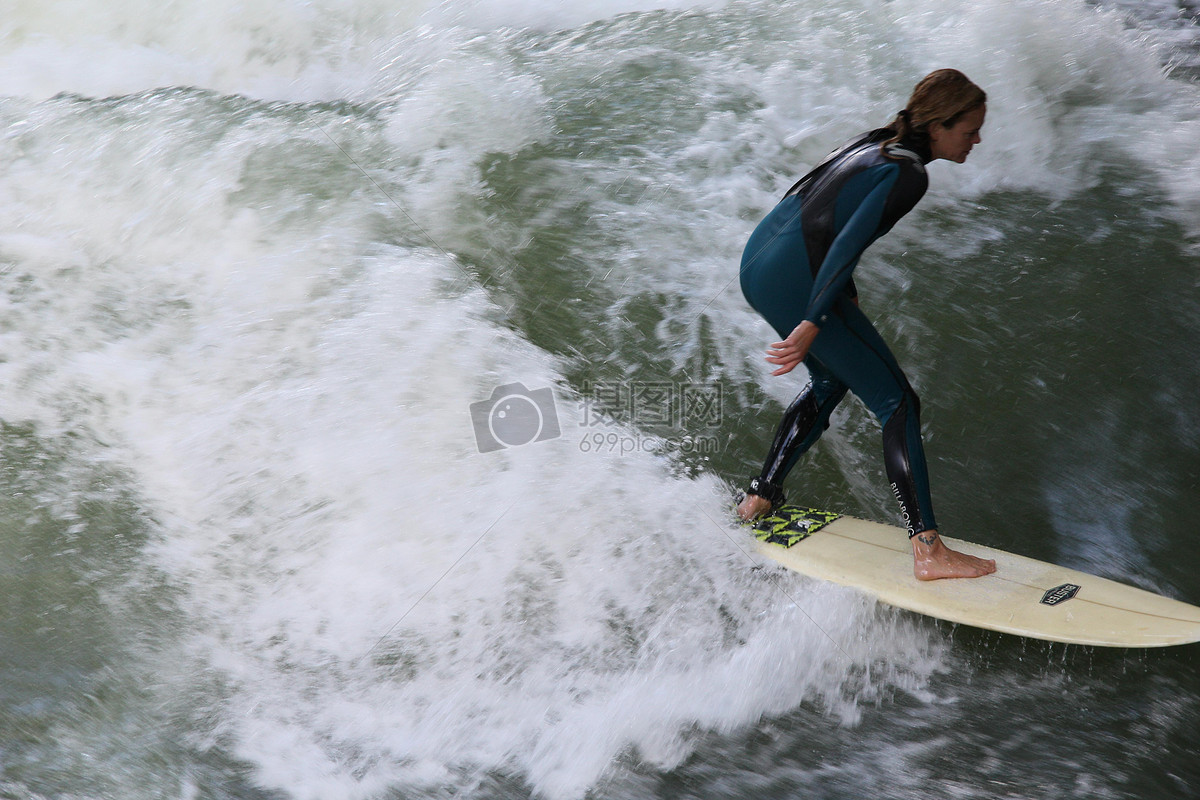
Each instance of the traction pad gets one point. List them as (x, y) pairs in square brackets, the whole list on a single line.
[(787, 525)]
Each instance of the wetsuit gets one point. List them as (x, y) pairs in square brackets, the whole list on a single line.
[(797, 266)]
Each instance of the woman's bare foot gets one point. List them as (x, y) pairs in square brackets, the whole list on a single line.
[(933, 560), (752, 506)]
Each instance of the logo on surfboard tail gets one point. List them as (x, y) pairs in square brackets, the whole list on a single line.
[(1060, 594)]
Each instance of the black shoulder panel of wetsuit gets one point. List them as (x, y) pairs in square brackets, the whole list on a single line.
[(858, 141), (822, 186)]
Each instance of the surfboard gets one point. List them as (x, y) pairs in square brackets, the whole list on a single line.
[(1024, 597)]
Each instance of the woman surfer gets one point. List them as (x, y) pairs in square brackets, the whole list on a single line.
[(796, 271)]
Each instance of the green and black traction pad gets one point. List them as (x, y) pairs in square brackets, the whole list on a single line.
[(787, 525)]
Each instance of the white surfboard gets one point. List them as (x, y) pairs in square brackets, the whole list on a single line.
[(1025, 597)]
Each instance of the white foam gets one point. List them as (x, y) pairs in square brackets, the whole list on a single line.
[(550, 15), (278, 49), (380, 603)]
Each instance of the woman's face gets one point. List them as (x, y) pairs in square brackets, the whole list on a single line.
[(955, 143)]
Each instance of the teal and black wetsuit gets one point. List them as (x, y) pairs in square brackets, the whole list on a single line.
[(797, 266)]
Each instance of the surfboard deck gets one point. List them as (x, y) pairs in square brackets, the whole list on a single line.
[(1025, 597)]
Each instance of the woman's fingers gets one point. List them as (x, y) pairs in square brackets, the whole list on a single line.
[(792, 350)]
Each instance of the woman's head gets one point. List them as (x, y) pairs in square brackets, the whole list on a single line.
[(943, 115)]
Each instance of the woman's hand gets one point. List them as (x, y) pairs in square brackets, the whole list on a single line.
[(792, 350)]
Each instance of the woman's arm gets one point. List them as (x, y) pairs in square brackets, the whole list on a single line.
[(854, 237)]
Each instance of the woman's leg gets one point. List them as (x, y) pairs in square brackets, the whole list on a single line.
[(851, 348), (858, 355), (802, 424)]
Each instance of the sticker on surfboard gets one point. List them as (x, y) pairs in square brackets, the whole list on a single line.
[(787, 525), (1060, 594)]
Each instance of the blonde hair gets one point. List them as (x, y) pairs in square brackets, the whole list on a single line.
[(940, 98)]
